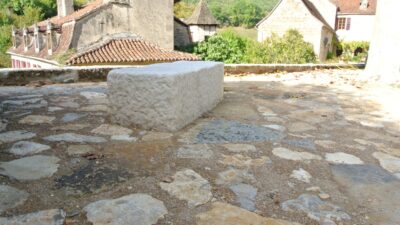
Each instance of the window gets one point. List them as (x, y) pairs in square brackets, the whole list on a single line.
[(37, 43), (343, 23)]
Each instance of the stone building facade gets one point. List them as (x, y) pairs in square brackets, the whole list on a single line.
[(73, 33), (303, 16), (202, 23)]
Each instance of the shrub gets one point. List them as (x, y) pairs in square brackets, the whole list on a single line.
[(291, 48), (353, 51), (226, 47)]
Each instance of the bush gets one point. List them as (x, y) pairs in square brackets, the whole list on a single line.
[(291, 48), (225, 47), (356, 51)]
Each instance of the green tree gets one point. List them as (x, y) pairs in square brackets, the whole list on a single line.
[(183, 9), (245, 13)]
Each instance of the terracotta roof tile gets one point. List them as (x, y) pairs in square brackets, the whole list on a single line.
[(353, 7), (128, 51)]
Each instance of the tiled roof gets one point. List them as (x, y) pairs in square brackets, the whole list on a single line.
[(62, 46), (75, 15), (353, 7), (202, 15), (128, 51)]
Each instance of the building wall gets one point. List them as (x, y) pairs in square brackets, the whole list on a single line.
[(153, 20), (293, 14), (327, 9), (361, 28), (200, 32), (181, 34), (19, 62)]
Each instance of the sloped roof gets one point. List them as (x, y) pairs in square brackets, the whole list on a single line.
[(353, 7), (127, 50), (311, 8), (202, 15)]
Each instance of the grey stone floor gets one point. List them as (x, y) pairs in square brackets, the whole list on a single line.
[(316, 147)]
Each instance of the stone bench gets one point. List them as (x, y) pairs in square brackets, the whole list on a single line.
[(164, 97)]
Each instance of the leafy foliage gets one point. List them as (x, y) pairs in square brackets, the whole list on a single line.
[(353, 51), (183, 9), (230, 47), (226, 47)]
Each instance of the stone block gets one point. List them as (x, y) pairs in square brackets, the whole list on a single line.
[(164, 97)]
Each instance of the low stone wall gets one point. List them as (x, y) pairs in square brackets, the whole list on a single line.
[(20, 77), (274, 68)]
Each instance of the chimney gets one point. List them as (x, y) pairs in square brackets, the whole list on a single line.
[(65, 7), (364, 4)]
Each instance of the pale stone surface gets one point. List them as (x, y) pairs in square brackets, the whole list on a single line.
[(18, 135), (11, 197), (95, 108), (130, 209), (124, 137), (165, 96), (27, 148), (80, 149), (195, 152), (77, 138), (111, 130), (316, 209), (276, 127), (46, 217), (156, 136), (54, 109), (37, 119), (32, 103), (92, 95), (234, 176), (245, 195), (189, 186), (69, 104), (343, 158), (301, 127), (241, 161), (301, 175), (237, 148), (30, 168), (70, 117), (3, 125), (225, 214), (285, 153), (326, 143), (388, 162)]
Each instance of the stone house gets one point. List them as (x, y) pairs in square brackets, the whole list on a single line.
[(303, 16), (202, 23), (110, 32), (355, 19)]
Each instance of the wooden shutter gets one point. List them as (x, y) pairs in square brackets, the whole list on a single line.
[(348, 23)]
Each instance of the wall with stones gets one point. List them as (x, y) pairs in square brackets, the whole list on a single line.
[(152, 20), (181, 34), (293, 14)]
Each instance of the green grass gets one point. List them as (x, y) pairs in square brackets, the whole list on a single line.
[(243, 32)]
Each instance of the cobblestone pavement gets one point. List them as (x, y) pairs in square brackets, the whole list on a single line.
[(298, 148)]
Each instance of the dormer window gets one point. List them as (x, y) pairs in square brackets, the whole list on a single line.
[(37, 40), (49, 38), (14, 38), (26, 39), (364, 4)]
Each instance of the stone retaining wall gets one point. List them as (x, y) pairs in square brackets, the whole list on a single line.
[(19, 77)]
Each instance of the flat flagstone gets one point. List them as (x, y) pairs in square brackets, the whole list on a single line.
[(46, 217), (92, 95), (301, 127), (343, 158), (124, 137), (301, 175), (31, 103), (131, 209), (80, 149), (194, 152), (237, 148), (301, 143), (241, 161), (37, 119), (224, 131), (111, 130), (226, 214), (288, 154), (326, 144), (11, 197), (54, 109), (388, 162), (189, 186), (316, 209), (234, 176), (245, 195), (70, 117), (156, 136), (95, 108), (69, 104), (75, 138), (3, 125), (276, 127), (28, 148), (30, 168), (18, 135)]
